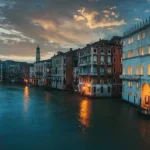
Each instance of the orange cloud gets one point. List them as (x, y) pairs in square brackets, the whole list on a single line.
[(92, 23)]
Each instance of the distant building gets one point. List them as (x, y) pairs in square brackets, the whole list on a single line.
[(15, 71), (62, 70), (100, 66), (40, 71), (136, 65)]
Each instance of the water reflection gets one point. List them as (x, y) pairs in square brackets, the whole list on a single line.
[(85, 112), (145, 130), (26, 98)]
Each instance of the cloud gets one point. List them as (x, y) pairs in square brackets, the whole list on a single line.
[(104, 21), (148, 10), (138, 19)]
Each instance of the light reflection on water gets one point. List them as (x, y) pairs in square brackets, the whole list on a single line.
[(85, 112), (26, 98)]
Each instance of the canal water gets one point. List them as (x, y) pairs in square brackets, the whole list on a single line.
[(41, 119)]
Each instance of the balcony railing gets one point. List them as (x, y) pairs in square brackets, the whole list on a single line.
[(89, 73), (130, 77)]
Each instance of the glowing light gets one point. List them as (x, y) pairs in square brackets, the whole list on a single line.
[(26, 98), (85, 112)]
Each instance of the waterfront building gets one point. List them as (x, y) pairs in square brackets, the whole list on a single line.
[(136, 65), (14, 71), (40, 71), (62, 69), (100, 66)]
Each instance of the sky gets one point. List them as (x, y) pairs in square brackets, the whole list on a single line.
[(58, 25)]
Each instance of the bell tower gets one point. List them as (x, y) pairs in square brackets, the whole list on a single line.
[(37, 53)]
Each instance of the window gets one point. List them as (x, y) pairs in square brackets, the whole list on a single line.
[(137, 52), (102, 81), (114, 60), (114, 80), (142, 70), (108, 89), (124, 71), (109, 70), (130, 70), (138, 37), (109, 81), (130, 93), (142, 50), (109, 59), (137, 84), (95, 50), (64, 71), (114, 89), (102, 89), (123, 83), (124, 43), (130, 40), (148, 49), (102, 59), (114, 70), (137, 70), (143, 35), (102, 51), (101, 69), (64, 61), (109, 51), (149, 69), (114, 51), (94, 89), (129, 84), (130, 53), (124, 55), (136, 95)]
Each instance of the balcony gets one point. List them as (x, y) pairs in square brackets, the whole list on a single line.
[(109, 63), (130, 77), (102, 63), (87, 74)]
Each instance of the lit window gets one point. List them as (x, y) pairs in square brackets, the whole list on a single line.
[(130, 53), (124, 43), (137, 70), (130, 93), (142, 70), (123, 83), (149, 69), (137, 84), (130, 40), (124, 55), (142, 50), (130, 70), (148, 49), (138, 37), (143, 35), (137, 52), (136, 95), (124, 71), (129, 84)]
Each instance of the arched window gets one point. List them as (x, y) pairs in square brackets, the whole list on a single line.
[(130, 70), (149, 69), (137, 70), (142, 70)]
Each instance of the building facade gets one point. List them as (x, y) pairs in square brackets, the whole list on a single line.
[(100, 66), (62, 70), (40, 73), (136, 65)]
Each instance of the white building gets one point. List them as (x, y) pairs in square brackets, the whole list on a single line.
[(62, 70), (136, 65)]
